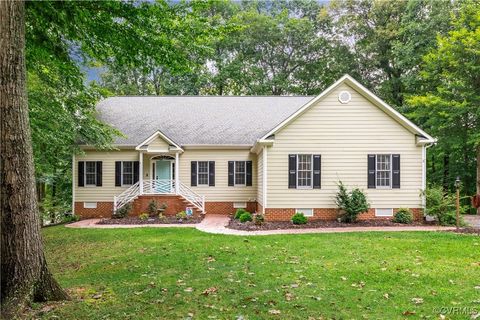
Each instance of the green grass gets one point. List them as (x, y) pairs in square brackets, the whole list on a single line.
[(149, 273)]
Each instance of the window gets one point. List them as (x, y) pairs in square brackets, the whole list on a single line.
[(202, 173), (90, 205), (240, 173), (90, 173), (384, 170), (388, 212), (304, 171), (306, 212), (127, 172), (237, 205)]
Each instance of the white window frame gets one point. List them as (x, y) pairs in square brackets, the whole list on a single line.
[(198, 174), (311, 171), (235, 184), (377, 171), (85, 174), (378, 212), (304, 211), (121, 173), (90, 205), (242, 205)]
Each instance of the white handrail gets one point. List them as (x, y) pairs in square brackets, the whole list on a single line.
[(159, 186)]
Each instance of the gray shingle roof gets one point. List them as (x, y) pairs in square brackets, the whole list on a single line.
[(189, 120)]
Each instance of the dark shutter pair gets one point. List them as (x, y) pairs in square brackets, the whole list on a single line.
[(292, 171), (211, 173), (118, 172), (81, 173), (372, 171), (248, 173)]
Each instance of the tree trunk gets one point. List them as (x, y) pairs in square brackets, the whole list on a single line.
[(24, 273), (478, 174), (446, 174)]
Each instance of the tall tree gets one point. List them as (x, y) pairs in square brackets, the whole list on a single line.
[(389, 39), (450, 105), (24, 271)]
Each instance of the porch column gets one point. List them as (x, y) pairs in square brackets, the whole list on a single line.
[(140, 171), (177, 179)]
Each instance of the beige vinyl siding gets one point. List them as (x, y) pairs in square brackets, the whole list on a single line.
[(108, 189), (158, 144), (260, 178), (221, 191), (344, 134)]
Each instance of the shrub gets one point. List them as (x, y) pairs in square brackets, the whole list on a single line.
[(441, 205), (144, 216), (350, 203), (259, 219), (152, 208), (239, 212), (403, 215), (71, 218), (161, 216), (246, 216), (181, 215), (299, 218), (123, 211)]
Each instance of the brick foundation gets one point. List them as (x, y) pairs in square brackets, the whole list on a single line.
[(103, 210), (226, 208), (285, 214), (175, 204)]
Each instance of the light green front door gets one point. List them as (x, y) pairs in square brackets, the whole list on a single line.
[(163, 173)]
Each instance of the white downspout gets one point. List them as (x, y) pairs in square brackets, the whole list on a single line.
[(177, 178), (424, 173), (140, 178), (264, 186)]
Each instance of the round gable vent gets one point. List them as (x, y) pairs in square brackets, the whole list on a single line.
[(344, 97)]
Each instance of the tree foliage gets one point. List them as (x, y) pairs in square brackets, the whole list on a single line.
[(449, 106)]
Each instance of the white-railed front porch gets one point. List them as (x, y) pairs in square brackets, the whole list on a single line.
[(159, 175)]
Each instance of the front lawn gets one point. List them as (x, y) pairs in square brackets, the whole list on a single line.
[(176, 273)]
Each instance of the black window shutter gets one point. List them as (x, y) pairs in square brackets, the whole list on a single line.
[(395, 171), (81, 173), (99, 174), (292, 171), (118, 173), (136, 171), (371, 171), (211, 173), (193, 173), (249, 173), (317, 169), (230, 173)]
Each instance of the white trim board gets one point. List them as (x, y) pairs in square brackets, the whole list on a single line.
[(367, 94), (155, 135)]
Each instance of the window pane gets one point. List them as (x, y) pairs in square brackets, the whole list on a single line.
[(127, 172), (304, 170), (383, 166), (90, 173), (240, 172), (202, 173)]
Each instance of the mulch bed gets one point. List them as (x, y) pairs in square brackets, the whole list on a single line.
[(275, 225), (468, 230), (152, 220)]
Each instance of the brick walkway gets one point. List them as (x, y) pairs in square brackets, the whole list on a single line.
[(216, 224)]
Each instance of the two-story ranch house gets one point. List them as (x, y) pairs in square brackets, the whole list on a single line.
[(270, 154)]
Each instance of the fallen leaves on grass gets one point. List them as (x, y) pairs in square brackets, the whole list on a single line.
[(417, 300), (289, 296), (274, 311), (209, 291), (408, 313)]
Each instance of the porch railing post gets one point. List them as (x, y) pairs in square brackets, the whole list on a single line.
[(177, 179), (140, 176)]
